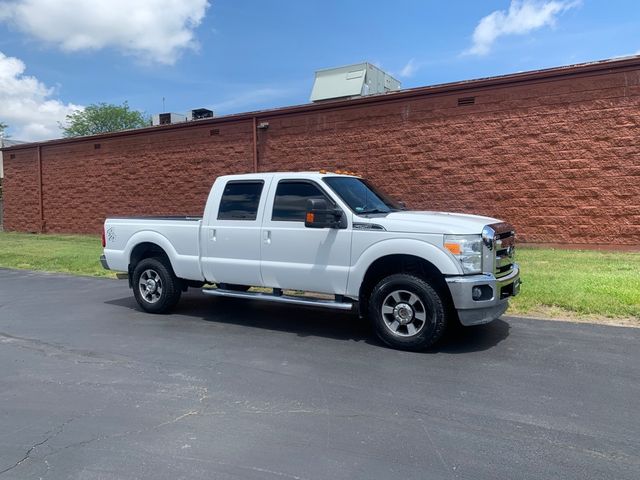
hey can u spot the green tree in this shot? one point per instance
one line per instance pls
(103, 118)
(3, 127)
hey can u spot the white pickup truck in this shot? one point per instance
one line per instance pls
(333, 236)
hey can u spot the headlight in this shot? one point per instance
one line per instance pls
(467, 249)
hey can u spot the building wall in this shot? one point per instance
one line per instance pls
(556, 156)
(163, 173)
(20, 191)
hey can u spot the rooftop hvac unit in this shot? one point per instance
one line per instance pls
(352, 81)
(199, 114)
(167, 118)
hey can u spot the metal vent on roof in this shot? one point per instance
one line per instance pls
(466, 101)
(199, 114)
(167, 118)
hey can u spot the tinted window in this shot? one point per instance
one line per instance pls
(290, 204)
(361, 196)
(240, 201)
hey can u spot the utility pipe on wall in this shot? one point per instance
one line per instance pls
(40, 199)
(255, 145)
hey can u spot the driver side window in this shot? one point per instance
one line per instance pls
(290, 203)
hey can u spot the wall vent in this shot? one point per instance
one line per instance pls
(214, 131)
(462, 101)
(12, 156)
(96, 146)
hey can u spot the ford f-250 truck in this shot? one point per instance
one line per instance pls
(410, 272)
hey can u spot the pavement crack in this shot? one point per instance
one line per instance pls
(271, 473)
(99, 438)
(56, 350)
(435, 447)
(49, 435)
(262, 412)
(177, 419)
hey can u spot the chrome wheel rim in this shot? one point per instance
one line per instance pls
(404, 314)
(150, 286)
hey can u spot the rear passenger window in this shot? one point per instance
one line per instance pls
(240, 201)
(290, 203)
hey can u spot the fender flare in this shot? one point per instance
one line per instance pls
(444, 262)
(150, 236)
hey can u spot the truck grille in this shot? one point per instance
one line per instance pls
(505, 248)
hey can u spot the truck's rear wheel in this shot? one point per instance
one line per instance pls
(407, 313)
(155, 287)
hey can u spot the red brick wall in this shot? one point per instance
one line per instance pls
(20, 191)
(161, 173)
(559, 158)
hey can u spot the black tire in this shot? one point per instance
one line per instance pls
(412, 307)
(168, 286)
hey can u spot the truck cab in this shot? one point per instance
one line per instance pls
(332, 235)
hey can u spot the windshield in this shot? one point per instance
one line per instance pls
(361, 196)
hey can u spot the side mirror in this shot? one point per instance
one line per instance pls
(319, 215)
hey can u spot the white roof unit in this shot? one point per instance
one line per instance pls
(352, 81)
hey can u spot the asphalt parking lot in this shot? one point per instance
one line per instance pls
(92, 388)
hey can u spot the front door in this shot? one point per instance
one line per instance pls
(300, 258)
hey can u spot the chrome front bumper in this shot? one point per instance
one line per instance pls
(495, 303)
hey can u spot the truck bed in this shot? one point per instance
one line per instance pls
(176, 235)
(160, 217)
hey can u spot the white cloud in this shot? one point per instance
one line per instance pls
(409, 69)
(152, 30)
(522, 17)
(26, 104)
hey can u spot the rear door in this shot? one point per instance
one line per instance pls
(300, 258)
(231, 237)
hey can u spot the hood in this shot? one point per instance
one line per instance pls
(432, 222)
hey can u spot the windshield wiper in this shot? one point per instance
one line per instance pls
(373, 210)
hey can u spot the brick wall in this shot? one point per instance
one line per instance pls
(161, 173)
(20, 191)
(557, 155)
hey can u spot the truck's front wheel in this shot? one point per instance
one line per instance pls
(155, 287)
(407, 313)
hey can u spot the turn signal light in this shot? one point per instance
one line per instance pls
(104, 240)
(453, 248)
(310, 217)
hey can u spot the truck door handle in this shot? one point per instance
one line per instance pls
(267, 236)
(212, 234)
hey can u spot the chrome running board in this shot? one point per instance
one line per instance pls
(268, 297)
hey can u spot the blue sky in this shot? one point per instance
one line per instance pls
(235, 56)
